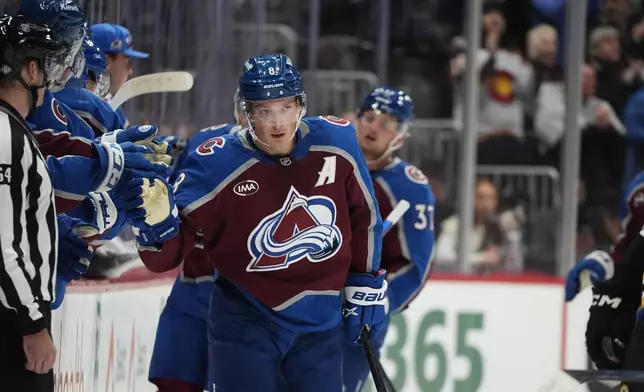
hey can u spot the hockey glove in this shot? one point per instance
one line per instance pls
(161, 214)
(611, 321)
(133, 134)
(364, 305)
(121, 163)
(598, 264)
(74, 255)
(98, 212)
(145, 135)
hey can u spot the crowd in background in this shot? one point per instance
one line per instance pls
(521, 113)
(522, 98)
(522, 108)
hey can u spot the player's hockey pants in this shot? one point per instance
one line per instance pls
(355, 368)
(180, 357)
(247, 350)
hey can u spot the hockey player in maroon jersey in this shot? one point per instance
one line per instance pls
(287, 214)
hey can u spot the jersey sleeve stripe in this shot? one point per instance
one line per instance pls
(91, 121)
(212, 194)
(370, 200)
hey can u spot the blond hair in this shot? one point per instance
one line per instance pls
(537, 36)
(599, 35)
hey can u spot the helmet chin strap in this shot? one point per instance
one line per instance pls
(395, 144)
(33, 92)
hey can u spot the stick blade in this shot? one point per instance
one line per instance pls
(161, 82)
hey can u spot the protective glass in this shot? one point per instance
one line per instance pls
(102, 83)
(60, 66)
(78, 66)
(273, 115)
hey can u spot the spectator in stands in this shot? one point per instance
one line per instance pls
(617, 79)
(615, 13)
(602, 140)
(634, 42)
(634, 122)
(541, 48)
(493, 248)
(554, 12)
(506, 87)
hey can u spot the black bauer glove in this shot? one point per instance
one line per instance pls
(611, 322)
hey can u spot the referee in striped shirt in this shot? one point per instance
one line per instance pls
(28, 229)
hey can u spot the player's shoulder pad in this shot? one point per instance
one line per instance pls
(329, 125)
(331, 131)
(407, 181)
(208, 165)
(220, 149)
(208, 133)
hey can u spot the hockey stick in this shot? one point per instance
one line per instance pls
(161, 82)
(395, 215)
(380, 379)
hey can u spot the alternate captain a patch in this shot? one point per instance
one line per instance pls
(304, 228)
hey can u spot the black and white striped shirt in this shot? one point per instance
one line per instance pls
(28, 231)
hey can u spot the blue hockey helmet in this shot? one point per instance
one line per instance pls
(95, 68)
(270, 76)
(95, 60)
(392, 101)
(266, 78)
(67, 25)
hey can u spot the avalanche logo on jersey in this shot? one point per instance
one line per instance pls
(303, 228)
(58, 112)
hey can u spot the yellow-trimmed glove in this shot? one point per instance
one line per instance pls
(161, 213)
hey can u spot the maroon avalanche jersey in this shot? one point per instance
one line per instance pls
(286, 231)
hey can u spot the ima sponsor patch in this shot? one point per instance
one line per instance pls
(246, 188)
(415, 175)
